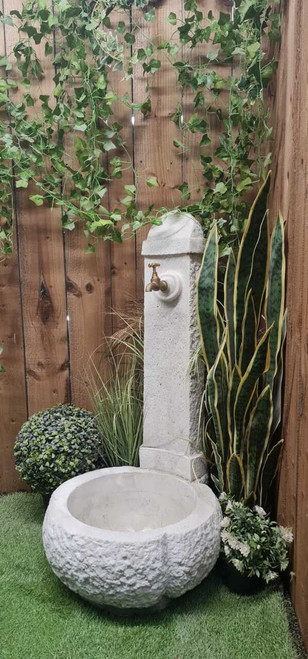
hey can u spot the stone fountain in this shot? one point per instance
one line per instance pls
(133, 538)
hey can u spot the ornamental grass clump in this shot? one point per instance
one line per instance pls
(251, 542)
(55, 445)
(117, 397)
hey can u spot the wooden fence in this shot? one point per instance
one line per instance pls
(55, 298)
(291, 196)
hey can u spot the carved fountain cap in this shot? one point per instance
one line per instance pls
(179, 233)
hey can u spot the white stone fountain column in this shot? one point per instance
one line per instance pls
(172, 391)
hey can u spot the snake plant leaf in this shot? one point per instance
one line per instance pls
(207, 300)
(245, 260)
(260, 265)
(257, 437)
(249, 331)
(275, 299)
(278, 380)
(217, 399)
(235, 476)
(269, 471)
(232, 392)
(229, 306)
(257, 366)
(219, 480)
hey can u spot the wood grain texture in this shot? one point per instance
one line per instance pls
(290, 195)
(42, 280)
(154, 152)
(192, 167)
(12, 382)
(123, 256)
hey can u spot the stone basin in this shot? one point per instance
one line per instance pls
(131, 538)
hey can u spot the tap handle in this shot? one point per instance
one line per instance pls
(154, 266)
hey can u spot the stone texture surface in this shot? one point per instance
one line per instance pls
(172, 392)
(132, 569)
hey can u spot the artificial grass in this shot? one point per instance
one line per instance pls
(41, 619)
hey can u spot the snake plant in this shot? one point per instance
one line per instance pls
(242, 330)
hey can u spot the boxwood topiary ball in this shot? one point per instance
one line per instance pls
(55, 445)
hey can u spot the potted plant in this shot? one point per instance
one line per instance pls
(55, 445)
(241, 317)
(254, 549)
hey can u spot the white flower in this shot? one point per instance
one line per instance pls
(229, 506)
(271, 575)
(286, 534)
(244, 548)
(226, 536)
(238, 564)
(225, 522)
(261, 512)
(233, 542)
(227, 550)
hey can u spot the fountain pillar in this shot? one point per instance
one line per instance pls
(172, 389)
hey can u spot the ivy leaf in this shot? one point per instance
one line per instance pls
(141, 54)
(130, 189)
(253, 48)
(150, 15)
(22, 183)
(109, 145)
(5, 62)
(220, 188)
(172, 19)
(152, 66)
(152, 182)
(129, 38)
(7, 20)
(48, 49)
(37, 199)
(184, 189)
(81, 127)
(245, 184)
(213, 54)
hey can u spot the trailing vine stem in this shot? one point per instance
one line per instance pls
(60, 148)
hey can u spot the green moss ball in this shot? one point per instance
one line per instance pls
(55, 445)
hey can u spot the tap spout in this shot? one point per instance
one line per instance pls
(156, 284)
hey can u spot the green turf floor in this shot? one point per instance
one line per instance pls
(41, 619)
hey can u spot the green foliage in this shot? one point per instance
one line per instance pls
(118, 399)
(242, 329)
(83, 47)
(2, 369)
(251, 542)
(55, 445)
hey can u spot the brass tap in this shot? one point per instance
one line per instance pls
(156, 284)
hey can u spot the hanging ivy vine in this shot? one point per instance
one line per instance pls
(61, 147)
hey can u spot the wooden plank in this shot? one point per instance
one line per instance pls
(192, 167)
(42, 278)
(155, 154)
(12, 382)
(88, 296)
(290, 195)
(123, 256)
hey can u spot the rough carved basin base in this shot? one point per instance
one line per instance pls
(128, 538)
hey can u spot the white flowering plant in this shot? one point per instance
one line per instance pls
(251, 542)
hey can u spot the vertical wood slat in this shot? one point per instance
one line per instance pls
(41, 278)
(290, 195)
(155, 154)
(123, 256)
(192, 167)
(12, 382)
